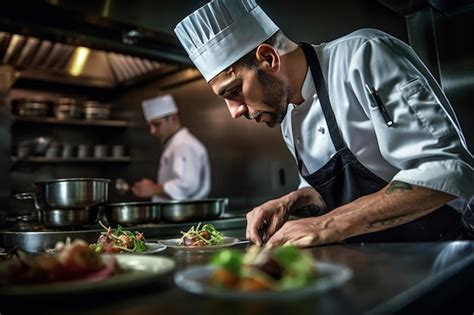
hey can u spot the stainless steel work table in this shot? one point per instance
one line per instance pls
(387, 278)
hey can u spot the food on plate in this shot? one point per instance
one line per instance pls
(118, 240)
(75, 261)
(206, 235)
(260, 269)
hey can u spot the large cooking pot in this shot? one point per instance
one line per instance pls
(193, 210)
(127, 213)
(58, 218)
(69, 193)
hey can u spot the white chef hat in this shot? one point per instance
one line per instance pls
(221, 32)
(158, 107)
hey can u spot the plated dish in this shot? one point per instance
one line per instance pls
(205, 235)
(135, 271)
(196, 280)
(200, 238)
(153, 248)
(283, 272)
(176, 244)
(118, 240)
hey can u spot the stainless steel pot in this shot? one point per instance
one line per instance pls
(31, 107)
(193, 210)
(69, 193)
(132, 212)
(59, 218)
(67, 218)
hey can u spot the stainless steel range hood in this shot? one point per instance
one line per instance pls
(45, 41)
(53, 61)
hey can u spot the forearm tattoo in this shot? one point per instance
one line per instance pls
(397, 186)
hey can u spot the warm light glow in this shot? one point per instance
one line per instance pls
(79, 59)
(106, 8)
(12, 46)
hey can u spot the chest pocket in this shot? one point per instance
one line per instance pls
(427, 108)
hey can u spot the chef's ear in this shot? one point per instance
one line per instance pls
(268, 57)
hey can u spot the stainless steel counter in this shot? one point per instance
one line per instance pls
(228, 224)
(408, 278)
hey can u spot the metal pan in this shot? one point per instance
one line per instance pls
(69, 193)
(193, 210)
(67, 218)
(131, 213)
(59, 218)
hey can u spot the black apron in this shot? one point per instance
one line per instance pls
(343, 179)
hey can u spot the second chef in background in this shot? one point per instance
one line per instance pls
(184, 171)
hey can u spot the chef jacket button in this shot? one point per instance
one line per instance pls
(321, 130)
(298, 140)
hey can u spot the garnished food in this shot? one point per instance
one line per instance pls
(118, 240)
(206, 235)
(282, 268)
(75, 261)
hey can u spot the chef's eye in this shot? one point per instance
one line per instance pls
(233, 92)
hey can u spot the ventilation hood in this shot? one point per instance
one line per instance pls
(52, 43)
(41, 59)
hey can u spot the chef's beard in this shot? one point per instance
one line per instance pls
(275, 95)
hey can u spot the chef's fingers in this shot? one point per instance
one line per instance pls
(273, 225)
(275, 241)
(292, 238)
(254, 222)
(301, 242)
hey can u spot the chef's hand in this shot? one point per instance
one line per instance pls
(145, 188)
(306, 232)
(265, 220)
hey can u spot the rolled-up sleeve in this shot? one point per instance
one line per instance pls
(425, 143)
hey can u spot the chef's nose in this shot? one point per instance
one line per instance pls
(236, 108)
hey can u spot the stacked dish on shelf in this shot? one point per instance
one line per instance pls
(31, 107)
(96, 110)
(65, 108)
(48, 148)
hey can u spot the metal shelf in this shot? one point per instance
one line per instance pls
(40, 159)
(77, 122)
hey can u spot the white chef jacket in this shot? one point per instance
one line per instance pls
(184, 169)
(425, 147)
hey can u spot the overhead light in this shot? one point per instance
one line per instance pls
(106, 8)
(79, 59)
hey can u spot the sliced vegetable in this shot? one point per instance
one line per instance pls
(206, 235)
(282, 268)
(119, 240)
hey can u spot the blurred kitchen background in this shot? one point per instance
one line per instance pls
(130, 54)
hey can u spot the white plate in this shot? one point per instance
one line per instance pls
(152, 249)
(138, 271)
(196, 280)
(174, 243)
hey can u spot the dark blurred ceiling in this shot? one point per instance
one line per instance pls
(446, 7)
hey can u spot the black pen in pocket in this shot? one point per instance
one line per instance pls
(377, 101)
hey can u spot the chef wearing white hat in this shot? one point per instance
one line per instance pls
(379, 150)
(184, 171)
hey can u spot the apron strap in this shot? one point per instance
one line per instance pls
(323, 95)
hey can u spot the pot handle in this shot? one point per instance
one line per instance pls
(24, 196)
(34, 216)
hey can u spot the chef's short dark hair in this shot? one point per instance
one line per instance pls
(278, 40)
